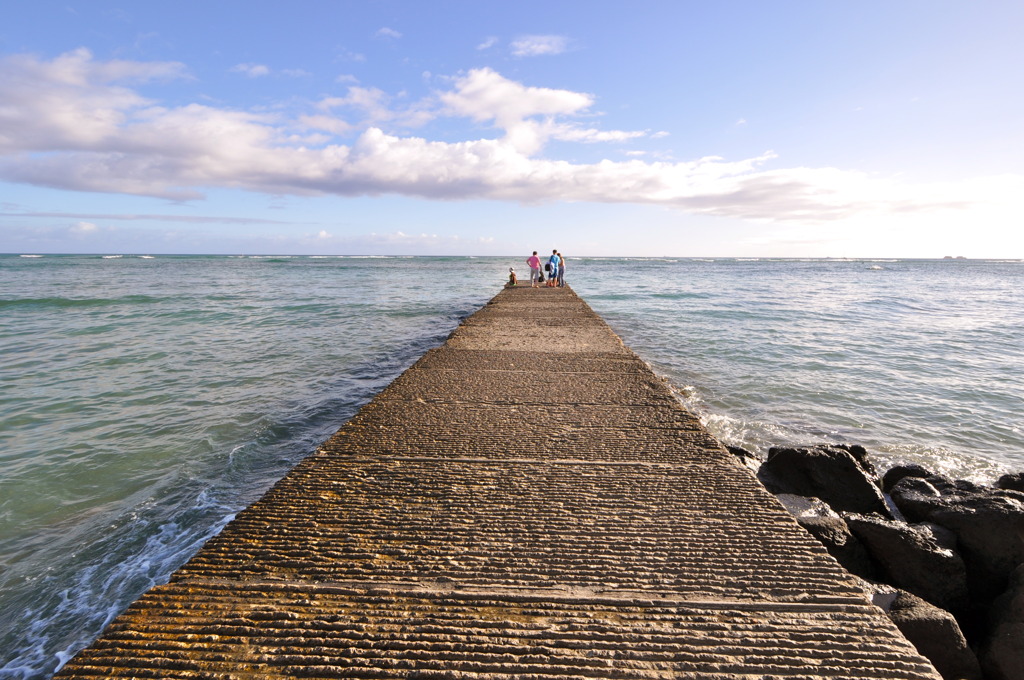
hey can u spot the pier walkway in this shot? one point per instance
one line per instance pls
(527, 501)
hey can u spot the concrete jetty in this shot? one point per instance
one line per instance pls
(527, 501)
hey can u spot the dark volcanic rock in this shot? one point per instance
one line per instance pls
(917, 485)
(831, 531)
(945, 485)
(835, 535)
(839, 475)
(1014, 482)
(805, 507)
(989, 525)
(894, 475)
(911, 558)
(1002, 656)
(748, 459)
(936, 635)
(941, 535)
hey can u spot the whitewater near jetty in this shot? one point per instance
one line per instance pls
(527, 501)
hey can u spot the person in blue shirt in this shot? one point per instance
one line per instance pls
(553, 261)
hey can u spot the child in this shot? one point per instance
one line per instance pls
(512, 280)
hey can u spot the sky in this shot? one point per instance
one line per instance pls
(757, 128)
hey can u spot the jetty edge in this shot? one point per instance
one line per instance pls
(528, 500)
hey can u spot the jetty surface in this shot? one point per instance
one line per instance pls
(527, 501)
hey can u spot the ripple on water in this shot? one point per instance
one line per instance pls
(146, 401)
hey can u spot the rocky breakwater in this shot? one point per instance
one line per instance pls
(944, 558)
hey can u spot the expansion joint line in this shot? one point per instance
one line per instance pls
(502, 461)
(571, 595)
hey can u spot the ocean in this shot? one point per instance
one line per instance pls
(146, 400)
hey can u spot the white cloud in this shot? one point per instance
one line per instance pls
(488, 43)
(73, 123)
(330, 124)
(485, 95)
(134, 217)
(538, 45)
(374, 106)
(573, 134)
(251, 70)
(348, 55)
(82, 228)
(386, 32)
(371, 100)
(70, 102)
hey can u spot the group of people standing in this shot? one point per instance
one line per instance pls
(555, 268)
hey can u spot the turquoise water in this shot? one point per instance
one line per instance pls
(146, 400)
(918, 360)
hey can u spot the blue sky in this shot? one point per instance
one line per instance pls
(771, 129)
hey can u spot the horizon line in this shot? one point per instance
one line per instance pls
(106, 253)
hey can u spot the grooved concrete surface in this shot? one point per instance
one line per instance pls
(528, 501)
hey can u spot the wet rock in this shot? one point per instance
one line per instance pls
(840, 475)
(944, 485)
(936, 635)
(989, 525)
(1014, 482)
(967, 485)
(806, 507)
(916, 485)
(746, 458)
(828, 527)
(1002, 655)
(894, 475)
(912, 558)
